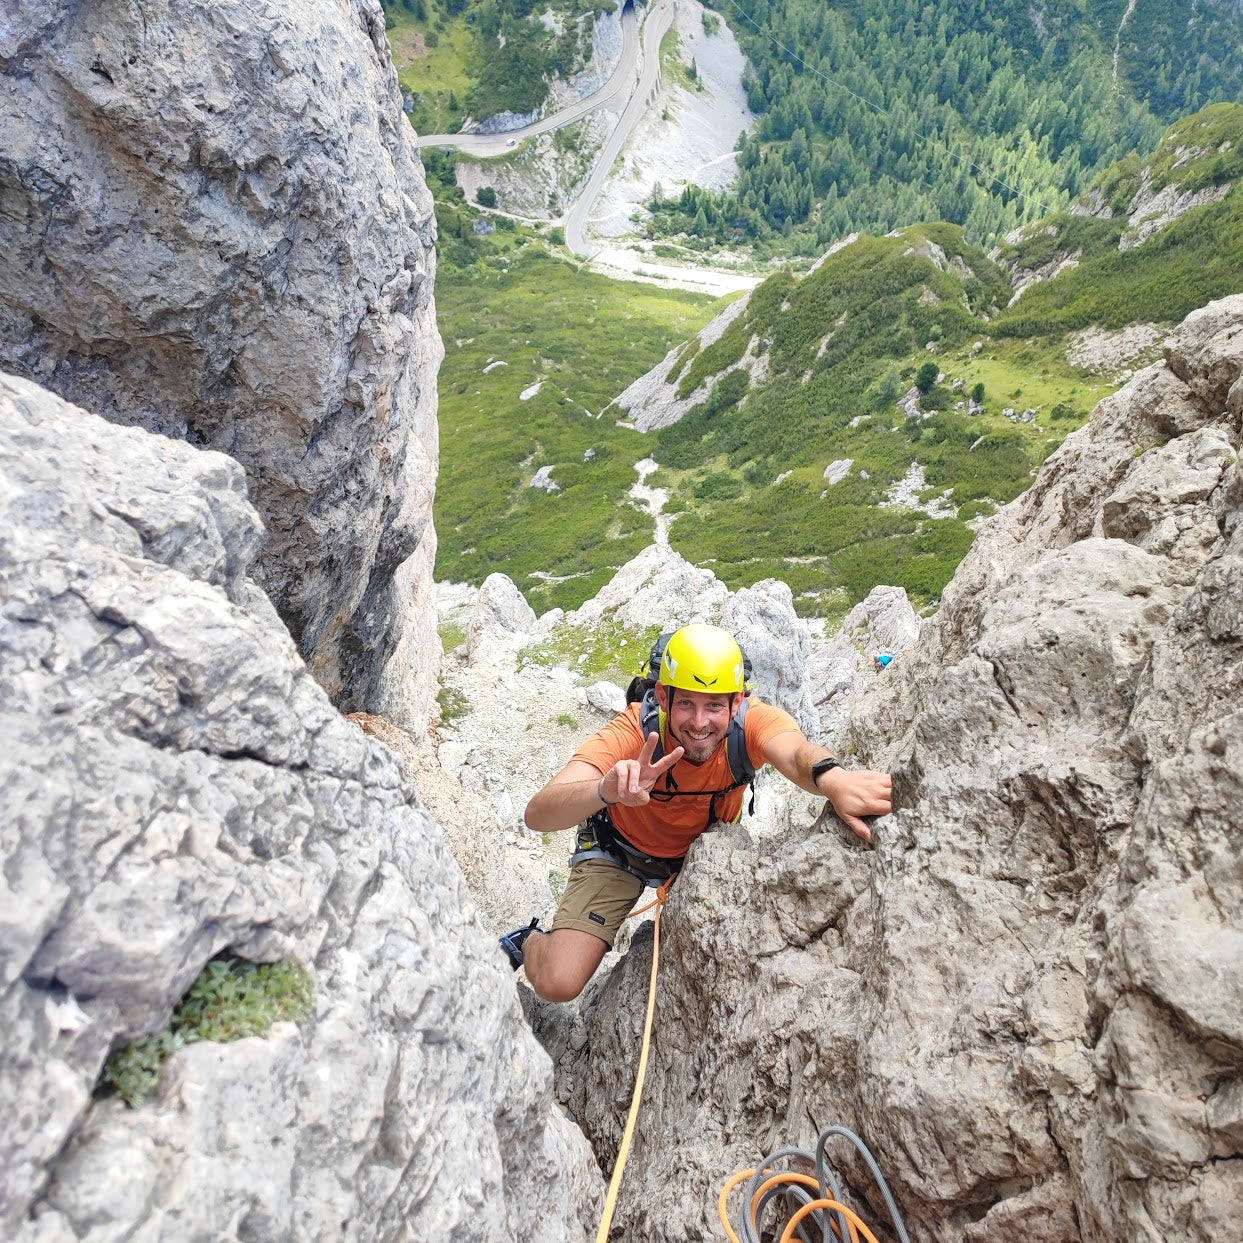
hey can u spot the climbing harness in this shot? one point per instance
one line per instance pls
(610, 1200)
(598, 839)
(769, 1182)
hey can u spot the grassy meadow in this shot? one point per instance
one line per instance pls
(522, 316)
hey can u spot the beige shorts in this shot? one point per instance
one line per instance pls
(598, 897)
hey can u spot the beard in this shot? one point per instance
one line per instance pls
(698, 750)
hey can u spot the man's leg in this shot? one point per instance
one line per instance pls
(559, 963)
(598, 897)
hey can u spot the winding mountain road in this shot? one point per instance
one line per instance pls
(634, 80)
(618, 85)
(654, 28)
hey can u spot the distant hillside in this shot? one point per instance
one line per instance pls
(807, 451)
(985, 113)
(810, 373)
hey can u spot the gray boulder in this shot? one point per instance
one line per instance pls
(174, 784)
(500, 619)
(214, 225)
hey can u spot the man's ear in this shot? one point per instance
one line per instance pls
(662, 696)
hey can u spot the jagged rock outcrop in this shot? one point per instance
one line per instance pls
(215, 226)
(652, 401)
(1027, 996)
(174, 783)
(777, 642)
(659, 587)
(840, 669)
(501, 618)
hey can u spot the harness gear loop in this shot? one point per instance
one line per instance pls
(598, 838)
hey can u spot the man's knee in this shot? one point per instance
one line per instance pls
(559, 972)
(557, 985)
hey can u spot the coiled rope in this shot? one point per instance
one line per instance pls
(610, 1200)
(768, 1183)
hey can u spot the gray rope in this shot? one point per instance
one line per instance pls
(822, 1165)
(830, 1187)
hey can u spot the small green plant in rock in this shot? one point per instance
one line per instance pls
(452, 703)
(568, 719)
(230, 1000)
(452, 636)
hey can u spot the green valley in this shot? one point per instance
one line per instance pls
(810, 374)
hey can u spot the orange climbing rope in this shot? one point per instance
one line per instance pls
(785, 1180)
(610, 1200)
(834, 1218)
(662, 896)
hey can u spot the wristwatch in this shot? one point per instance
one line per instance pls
(820, 767)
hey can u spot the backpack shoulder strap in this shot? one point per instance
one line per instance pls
(649, 723)
(740, 763)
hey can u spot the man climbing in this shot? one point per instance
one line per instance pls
(651, 781)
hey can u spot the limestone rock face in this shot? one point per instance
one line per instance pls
(1027, 996)
(214, 225)
(659, 587)
(652, 401)
(174, 783)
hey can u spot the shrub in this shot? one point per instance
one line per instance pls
(485, 196)
(719, 487)
(230, 1000)
(452, 704)
(926, 376)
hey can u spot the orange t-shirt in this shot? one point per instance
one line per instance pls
(666, 828)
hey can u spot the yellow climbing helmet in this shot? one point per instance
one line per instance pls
(703, 658)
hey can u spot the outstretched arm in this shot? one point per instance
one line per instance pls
(853, 792)
(580, 789)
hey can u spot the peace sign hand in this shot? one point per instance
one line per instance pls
(629, 781)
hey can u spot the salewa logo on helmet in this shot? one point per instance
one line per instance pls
(702, 681)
